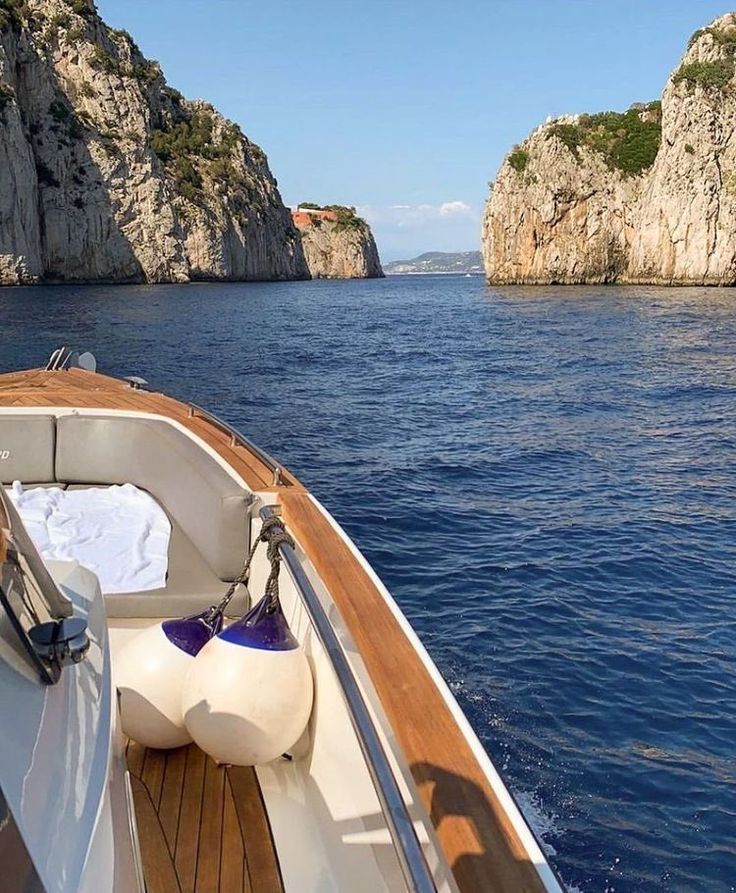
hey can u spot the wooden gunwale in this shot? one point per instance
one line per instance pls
(479, 838)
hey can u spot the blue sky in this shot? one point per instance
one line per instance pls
(406, 108)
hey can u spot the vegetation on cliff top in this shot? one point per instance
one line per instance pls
(347, 217)
(628, 141)
(716, 73)
(724, 37)
(194, 148)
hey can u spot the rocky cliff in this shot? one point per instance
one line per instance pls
(107, 173)
(647, 196)
(337, 243)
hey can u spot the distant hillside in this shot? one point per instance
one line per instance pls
(337, 243)
(437, 262)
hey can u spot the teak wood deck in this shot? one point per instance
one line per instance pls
(202, 828)
(479, 839)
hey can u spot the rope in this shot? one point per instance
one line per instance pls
(273, 533)
(275, 539)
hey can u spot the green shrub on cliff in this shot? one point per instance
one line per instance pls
(628, 141)
(705, 74)
(80, 7)
(518, 159)
(103, 60)
(570, 135)
(61, 20)
(710, 75)
(147, 72)
(347, 218)
(193, 136)
(12, 13)
(190, 149)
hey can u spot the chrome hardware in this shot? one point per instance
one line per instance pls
(58, 359)
(136, 382)
(65, 358)
(60, 643)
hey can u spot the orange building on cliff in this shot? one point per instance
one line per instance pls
(304, 216)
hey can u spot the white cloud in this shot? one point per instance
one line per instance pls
(448, 209)
(403, 231)
(416, 216)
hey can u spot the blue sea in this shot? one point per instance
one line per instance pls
(545, 479)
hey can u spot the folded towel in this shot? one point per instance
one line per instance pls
(120, 533)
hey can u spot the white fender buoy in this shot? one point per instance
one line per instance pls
(149, 674)
(248, 695)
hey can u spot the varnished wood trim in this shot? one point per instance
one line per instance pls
(190, 819)
(169, 807)
(233, 874)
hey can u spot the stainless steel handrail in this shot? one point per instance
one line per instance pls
(416, 871)
(52, 359)
(237, 437)
(55, 360)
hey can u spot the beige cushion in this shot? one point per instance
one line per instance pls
(197, 493)
(34, 485)
(191, 586)
(27, 448)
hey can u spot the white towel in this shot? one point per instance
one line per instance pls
(119, 533)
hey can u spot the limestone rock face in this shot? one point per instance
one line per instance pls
(582, 202)
(338, 245)
(108, 174)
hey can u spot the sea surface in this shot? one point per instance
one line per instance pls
(546, 480)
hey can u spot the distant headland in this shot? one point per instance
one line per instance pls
(437, 262)
(337, 243)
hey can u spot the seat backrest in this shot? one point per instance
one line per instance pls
(27, 448)
(210, 507)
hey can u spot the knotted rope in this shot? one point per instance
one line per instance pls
(275, 538)
(273, 533)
